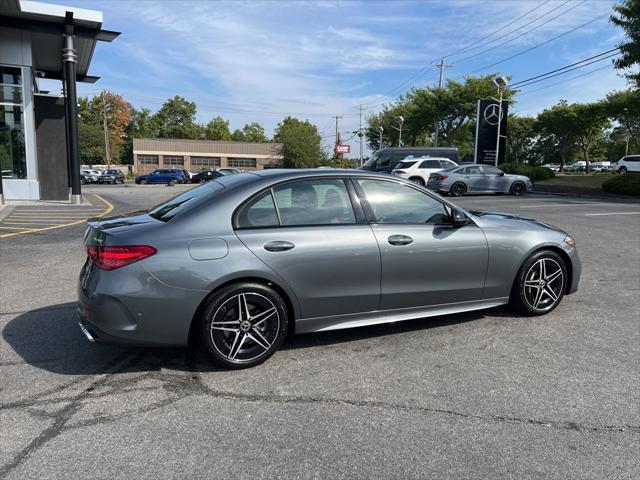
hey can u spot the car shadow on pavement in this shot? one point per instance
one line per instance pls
(49, 338)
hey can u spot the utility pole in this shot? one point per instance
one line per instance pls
(337, 135)
(380, 130)
(441, 66)
(107, 153)
(361, 135)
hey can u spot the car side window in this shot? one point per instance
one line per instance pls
(489, 170)
(384, 160)
(393, 202)
(259, 212)
(474, 170)
(314, 202)
(430, 164)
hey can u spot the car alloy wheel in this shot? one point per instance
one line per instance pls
(244, 325)
(458, 189)
(143, 182)
(417, 181)
(622, 171)
(172, 182)
(541, 283)
(517, 188)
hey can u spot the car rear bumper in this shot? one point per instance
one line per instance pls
(131, 306)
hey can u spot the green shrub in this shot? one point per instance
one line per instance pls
(534, 173)
(623, 185)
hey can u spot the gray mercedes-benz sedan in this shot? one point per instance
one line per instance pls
(244, 260)
(464, 179)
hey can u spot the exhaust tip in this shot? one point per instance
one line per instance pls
(86, 332)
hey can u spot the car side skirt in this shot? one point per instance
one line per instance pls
(338, 322)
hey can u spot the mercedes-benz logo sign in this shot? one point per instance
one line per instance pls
(493, 114)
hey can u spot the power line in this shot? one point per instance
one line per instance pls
(570, 70)
(586, 74)
(565, 67)
(463, 49)
(524, 33)
(543, 43)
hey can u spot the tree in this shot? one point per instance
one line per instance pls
(588, 121)
(520, 139)
(91, 143)
(301, 142)
(629, 19)
(624, 108)
(452, 108)
(175, 119)
(252, 132)
(217, 129)
(105, 110)
(556, 124)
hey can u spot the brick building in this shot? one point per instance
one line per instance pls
(196, 155)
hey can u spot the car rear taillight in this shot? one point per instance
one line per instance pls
(441, 177)
(110, 258)
(399, 171)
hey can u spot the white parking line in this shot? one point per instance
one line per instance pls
(594, 204)
(611, 213)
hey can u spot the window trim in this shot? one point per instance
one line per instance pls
(371, 218)
(358, 214)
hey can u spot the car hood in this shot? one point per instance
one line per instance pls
(510, 221)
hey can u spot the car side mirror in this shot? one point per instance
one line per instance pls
(458, 218)
(501, 174)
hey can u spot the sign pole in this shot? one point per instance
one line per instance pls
(499, 124)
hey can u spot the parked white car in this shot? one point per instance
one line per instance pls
(630, 163)
(418, 170)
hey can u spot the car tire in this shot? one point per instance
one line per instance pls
(417, 181)
(142, 182)
(236, 328)
(622, 170)
(172, 182)
(517, 188)
(538, 287)
(458, 189)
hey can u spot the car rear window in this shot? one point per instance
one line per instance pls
(405, 165)
(167, 210)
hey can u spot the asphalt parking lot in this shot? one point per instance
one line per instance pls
(479, 395)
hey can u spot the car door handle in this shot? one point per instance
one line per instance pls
(400, 240)
(278, 246)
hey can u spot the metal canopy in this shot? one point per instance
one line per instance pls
(46, 24)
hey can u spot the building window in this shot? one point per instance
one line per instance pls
(173, 161)
(205, 163)
(148, 159)
(13, 161)
(242, 162)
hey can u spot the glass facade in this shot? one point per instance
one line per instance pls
(12, 145)
(205, 163)
(242, 162)
(148, 159)
(173, 161)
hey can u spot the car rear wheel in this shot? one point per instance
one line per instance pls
(417, 181)
(540, 284)
(458, 189)
(243, 325)
(622, 170)
(518, 188)
(172, 182)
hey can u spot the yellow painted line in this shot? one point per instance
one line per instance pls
(53, 227)
(13, 228)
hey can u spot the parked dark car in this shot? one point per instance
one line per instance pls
(111, 176)
(87, 176)
(206, 176)
(169, 176)
(385, 160)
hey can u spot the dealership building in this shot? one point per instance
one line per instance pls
(197, 155)
(38, 129)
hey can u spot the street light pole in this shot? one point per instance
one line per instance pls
(400, 119)
(380, 130)
(361, 135)
(502, 83)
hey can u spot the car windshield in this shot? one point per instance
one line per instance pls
(372, 160)
(451, 168)
(405, 164)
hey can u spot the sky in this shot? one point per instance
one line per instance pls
(261, 60)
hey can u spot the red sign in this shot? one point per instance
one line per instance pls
(343, 148)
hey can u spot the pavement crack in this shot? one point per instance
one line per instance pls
(117, 365)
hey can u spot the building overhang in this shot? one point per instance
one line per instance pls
(46, 24)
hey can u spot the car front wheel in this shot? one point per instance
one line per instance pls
(243, 325)
(417, 181)
(518, 189)
(622, 170)
(540, 284)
